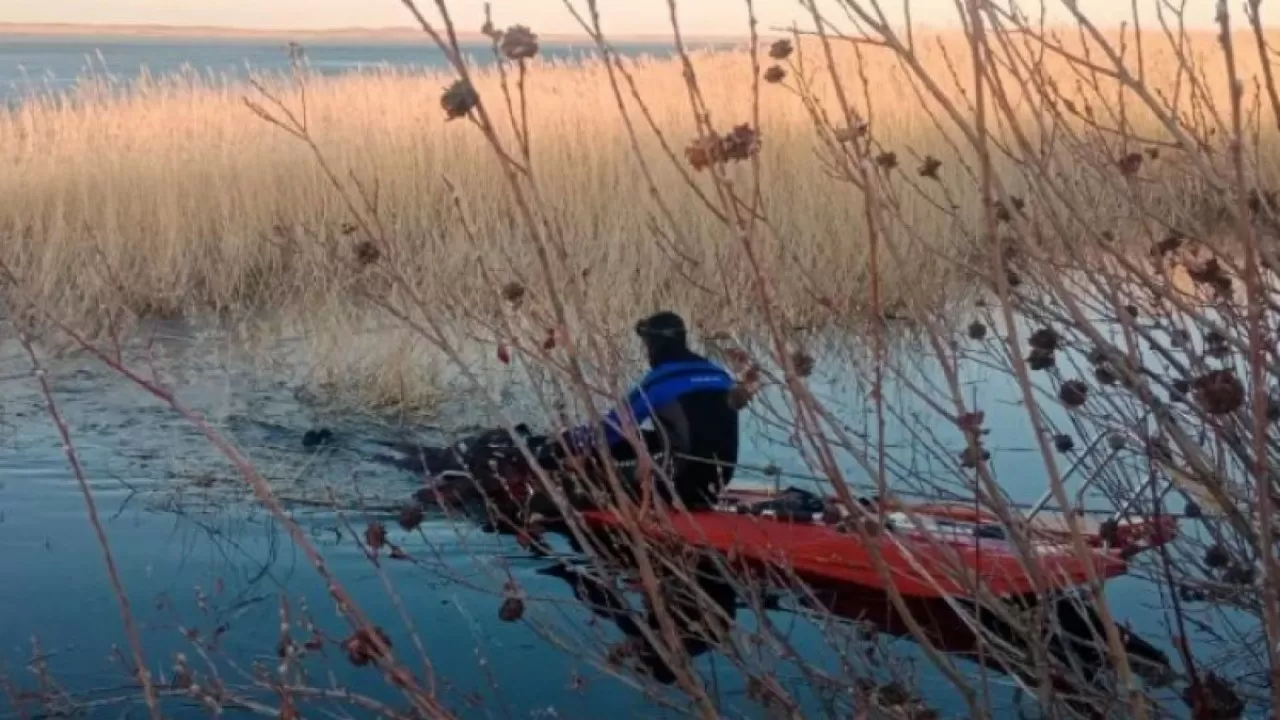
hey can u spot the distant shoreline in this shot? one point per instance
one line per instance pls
(206, 32)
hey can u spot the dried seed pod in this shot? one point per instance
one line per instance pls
(361, 648)
(411, 516)
(929, 168)
(1239, 575)
(887, 160)
(781, 49)
(971, 422)
(512, 609)
(519, 43)
(1045, 338)
(1041, 359)
(1130, 164)
(775, 74)
(513, 292)
(1073, 393)
(1063, 443)
(803, 363)
(367, 253)
(459, 99)
(742, 143)
(1219, 392)
(375, 535)
(1105, 375)
(1216, 344)
(969, 456)
(977, 331)
(1217, 557)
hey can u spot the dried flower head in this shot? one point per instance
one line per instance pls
(1063, 443)
(929, 168)
(375, 535)
(740, 144)
(1105, 375)
(367, 253)
(1130, 164)
(1073, 393)
(459, 99)
(781, 49)
(519, 43)
(775, 74)
(887, 160)
(1217, 557)
(1216, 344)
(1219, 392)
(1046, 338)
(362, 648)
(1041, 359)
(411, 516)
(512, 609)
(972, 454)
(803, 363)
(513, 292)
(977, 330)
(971, 422)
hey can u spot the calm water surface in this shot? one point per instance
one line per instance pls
(37, 64)
(195, 555)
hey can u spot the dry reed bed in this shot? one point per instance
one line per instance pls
(173, 196)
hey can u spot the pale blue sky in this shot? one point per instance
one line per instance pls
(550, 16)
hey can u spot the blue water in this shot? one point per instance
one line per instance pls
(196, 554)
(37, 64)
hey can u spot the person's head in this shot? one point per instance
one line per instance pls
(664, 335)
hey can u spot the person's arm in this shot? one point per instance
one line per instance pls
(638, 409)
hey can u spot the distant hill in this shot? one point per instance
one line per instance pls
(199, 32)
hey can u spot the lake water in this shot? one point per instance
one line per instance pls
(36, 64)
(200, 559)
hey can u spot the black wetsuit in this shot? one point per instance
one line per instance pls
(687, 398)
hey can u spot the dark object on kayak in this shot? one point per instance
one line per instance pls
(316, 438)
(792, 504)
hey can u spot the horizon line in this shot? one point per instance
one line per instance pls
(232, 31)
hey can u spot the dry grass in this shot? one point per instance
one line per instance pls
(172, 196)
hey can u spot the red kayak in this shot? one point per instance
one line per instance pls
(943, 558)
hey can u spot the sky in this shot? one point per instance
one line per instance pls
(719, 17)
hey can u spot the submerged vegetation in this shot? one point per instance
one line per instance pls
(1088, 218)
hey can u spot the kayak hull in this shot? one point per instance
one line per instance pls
(915, 564)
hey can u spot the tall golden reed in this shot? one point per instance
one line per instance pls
(169, 195)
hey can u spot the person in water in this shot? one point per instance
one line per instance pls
(686, 398)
